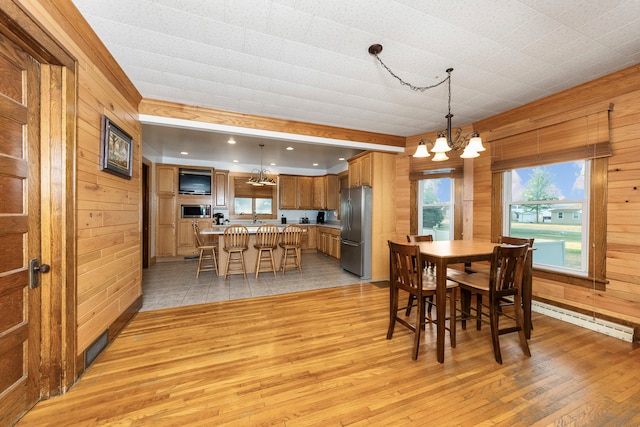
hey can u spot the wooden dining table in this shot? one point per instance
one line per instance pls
(446, 252)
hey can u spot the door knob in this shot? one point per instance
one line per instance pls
(35, 268)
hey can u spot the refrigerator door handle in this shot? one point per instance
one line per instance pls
(348, 243)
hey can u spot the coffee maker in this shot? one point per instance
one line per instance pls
(218, 218)
(320, 219)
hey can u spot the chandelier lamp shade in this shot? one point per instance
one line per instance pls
(470, 144)
(261, 177)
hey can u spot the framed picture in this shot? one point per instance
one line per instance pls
(117, 150)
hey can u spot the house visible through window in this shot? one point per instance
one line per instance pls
(435, 208)
(550, 204)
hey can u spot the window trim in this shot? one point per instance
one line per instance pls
(597, 228)
(232, 197)
(457, 202)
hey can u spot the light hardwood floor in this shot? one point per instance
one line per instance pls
(320, 358)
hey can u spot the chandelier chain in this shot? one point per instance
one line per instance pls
(409, 85)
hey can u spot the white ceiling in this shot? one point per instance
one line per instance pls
(307, 60)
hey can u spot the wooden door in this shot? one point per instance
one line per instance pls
(19, 232)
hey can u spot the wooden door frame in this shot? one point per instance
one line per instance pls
(58, 84)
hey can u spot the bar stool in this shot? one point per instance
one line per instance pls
(266, 242)
(290, 244)
(236, 241)
(207, 252)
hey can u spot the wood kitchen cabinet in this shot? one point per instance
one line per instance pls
(325, 192)
(360, 170)
(166, 179)
(166, 225)
(308, 239)
(328, 241)
(221, 188)
(186, 241)
(296, 192)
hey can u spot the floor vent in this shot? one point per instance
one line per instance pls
(95, 348)
(624, 333)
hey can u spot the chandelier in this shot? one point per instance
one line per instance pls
(471, 144)
(261, 177)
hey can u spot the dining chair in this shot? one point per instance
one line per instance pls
(290, 243)
(504, 280)
(414, 238)
(266, 242)
(481, 268)
(207, 252)
(236, 242)
(403, 259)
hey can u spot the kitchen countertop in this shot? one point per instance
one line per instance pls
(219, 229)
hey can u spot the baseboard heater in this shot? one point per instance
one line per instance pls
(615, 330)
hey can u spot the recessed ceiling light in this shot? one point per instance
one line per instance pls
(231, 141)
(184, 153)
(235, 161)
(315, 164)
(341, 158)
(289, 148)
(272, 164)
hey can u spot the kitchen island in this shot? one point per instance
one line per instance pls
(250, 255)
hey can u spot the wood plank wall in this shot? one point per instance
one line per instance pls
(108, 234)
(620, 301)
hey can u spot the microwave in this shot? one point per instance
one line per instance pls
(195, 211)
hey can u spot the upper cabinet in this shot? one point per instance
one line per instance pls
(166, 179)
(288, 187)
(360, 170)
(221, 188)
(296, 192)
(325, 192)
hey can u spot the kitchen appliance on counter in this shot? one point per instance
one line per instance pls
(320, 219)
(355, 231)
(218, 218)
(304, 220)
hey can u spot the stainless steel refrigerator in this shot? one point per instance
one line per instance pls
(355, 231)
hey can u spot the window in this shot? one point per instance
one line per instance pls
(249, 200)
(435, 208)
(550, 203)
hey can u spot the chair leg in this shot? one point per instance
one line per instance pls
(418, 329)
(495, 332)
(244, 270)
(215, 261)
(273, 262)
(465, 307)
(199, 263)
(283, 260)
(258, 260)
(452, 316)
(519, 316)
(409, 305)
(393, 310)
(479, 312)
(226, 270)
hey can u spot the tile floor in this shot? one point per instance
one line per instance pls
(174, 284)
